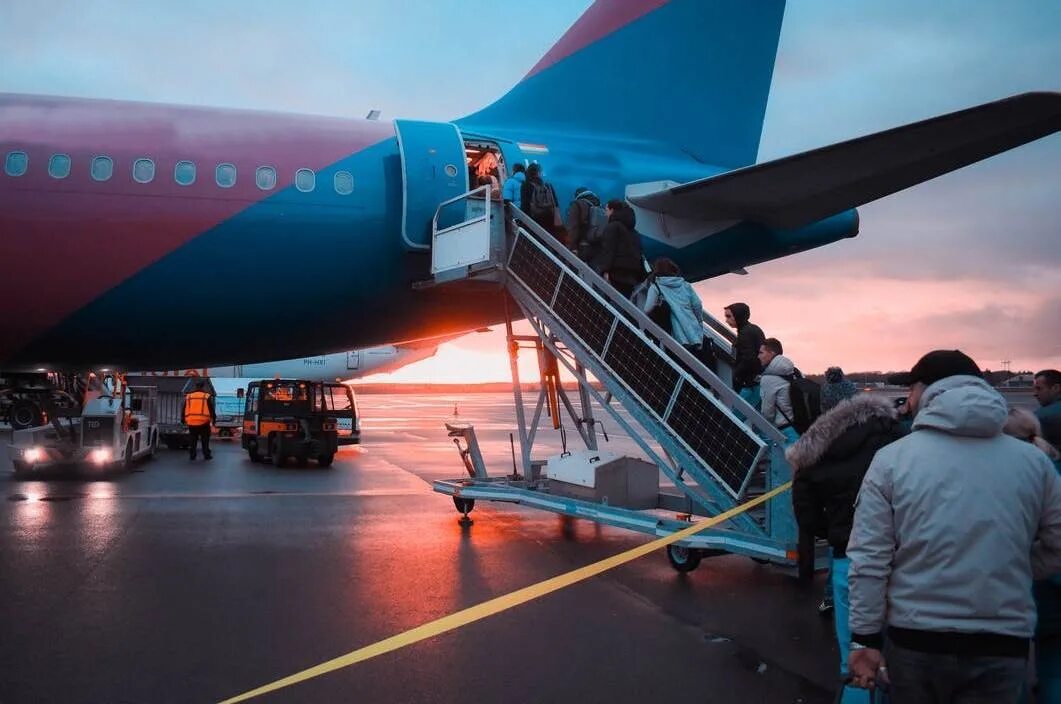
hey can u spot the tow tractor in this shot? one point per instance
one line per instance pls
(295, 418)
(114, 430)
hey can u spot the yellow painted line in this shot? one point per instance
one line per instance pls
(499, 604)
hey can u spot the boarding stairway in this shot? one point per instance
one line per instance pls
(716, 449)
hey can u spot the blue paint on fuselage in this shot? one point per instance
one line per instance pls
(310, 273)
(292, 275)
(694, 75)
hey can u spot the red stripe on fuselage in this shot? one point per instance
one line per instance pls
(64, 242)
(600, 20)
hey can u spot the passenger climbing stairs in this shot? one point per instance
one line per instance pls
(715, 449)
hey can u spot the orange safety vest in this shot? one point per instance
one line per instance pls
(197, 408)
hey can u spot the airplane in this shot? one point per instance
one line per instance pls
(342, 366)
(122, 223)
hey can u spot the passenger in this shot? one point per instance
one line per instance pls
(510, 192)
(836, 388)
(828, 464)
(199, 415)
(686, 310)
(620, 260)
(1047, 391)
(586, 220)
(951, 523)
(1023, 425)
(777, 398)
(746, 368)
(538, 200)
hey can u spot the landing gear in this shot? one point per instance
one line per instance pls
(325, 460)
(464, 507)
(684, 559)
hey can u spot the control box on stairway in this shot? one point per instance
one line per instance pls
(604, 477)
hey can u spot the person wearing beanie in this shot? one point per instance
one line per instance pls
(836, 388)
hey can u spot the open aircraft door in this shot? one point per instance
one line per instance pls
(433, 171)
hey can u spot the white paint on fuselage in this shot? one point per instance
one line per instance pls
(342, 366)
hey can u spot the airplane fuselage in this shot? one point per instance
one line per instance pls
(138, 235)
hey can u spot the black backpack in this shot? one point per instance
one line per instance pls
(806, 398)
(660, 313)
(542, 201)
(595, 220)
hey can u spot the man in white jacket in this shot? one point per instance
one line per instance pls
(951, 524)
(774, 387)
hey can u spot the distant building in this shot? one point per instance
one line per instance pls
(1018, 381)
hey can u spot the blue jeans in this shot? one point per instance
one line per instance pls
(791, 436)
(752, 396)
(841, 609)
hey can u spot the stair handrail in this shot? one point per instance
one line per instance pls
(703, 376)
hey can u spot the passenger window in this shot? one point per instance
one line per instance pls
(225, 175)
(265, 177)
(16, 163)
(344, 183)
(143, 171)
(59, 166)
(305, 180)
(102, 168)
(184, 173)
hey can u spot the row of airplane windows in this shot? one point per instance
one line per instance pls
(184, 172)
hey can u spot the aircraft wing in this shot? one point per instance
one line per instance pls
(803, 188)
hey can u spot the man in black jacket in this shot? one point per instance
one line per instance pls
(620, 259)
(828, 464)
(750, 338)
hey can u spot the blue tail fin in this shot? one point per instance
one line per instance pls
(692, 74)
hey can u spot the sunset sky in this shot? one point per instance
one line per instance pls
(970, 260)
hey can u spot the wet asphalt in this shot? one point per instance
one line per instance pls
(196, 581)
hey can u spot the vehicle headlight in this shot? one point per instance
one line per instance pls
(33, 454)
(100, 455)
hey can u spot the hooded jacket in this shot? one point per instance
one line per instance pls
(620, 255)
(831, 458)
(750, 338)
(512, 188)
(686, 310)
(773, 386)
(951, 523)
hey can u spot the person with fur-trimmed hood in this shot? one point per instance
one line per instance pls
(829, 462)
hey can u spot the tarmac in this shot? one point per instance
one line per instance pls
(197, 581)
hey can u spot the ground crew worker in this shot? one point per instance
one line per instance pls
(199, 415)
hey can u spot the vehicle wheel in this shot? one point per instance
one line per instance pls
(253, 454)
(127, 463)
(463, 505)
(325, 460)
(278, 459)
(683, 559)
(25, 414)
